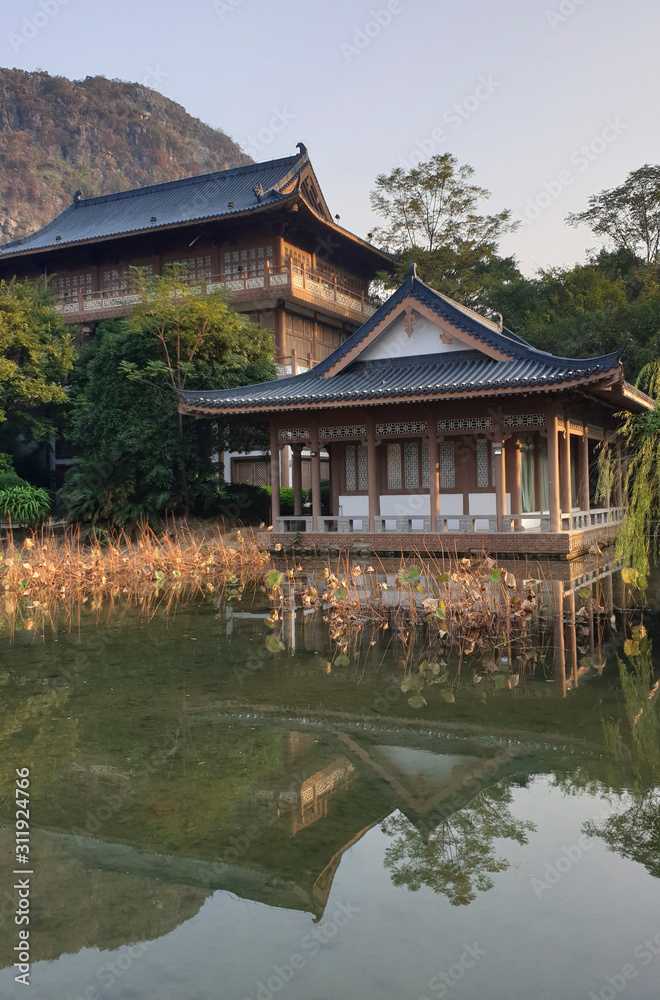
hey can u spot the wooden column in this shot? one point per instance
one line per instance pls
(274, 472)
(553, 472)
(584, 495)
(337, 455)
(434, 438)
(515, 487)
(284, 466)
(372, 473)
(280, 336)
(565, 469)
(500, 479)
(538, 474)
(297, 478)
(316, 477)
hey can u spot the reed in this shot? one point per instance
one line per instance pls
(47, 577)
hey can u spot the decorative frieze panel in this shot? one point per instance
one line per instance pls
(465, 424)
(351, 484)
(426, 472)
(482, 463)
(350, 431)
(402, 427)
(294, 434)
(447, 469)
(524, 420)
(393, 467)
(362, 467)
(575, 425)
(410, 465)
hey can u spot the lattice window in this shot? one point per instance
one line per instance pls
(69, 286)
(465, 424)
(362, 467)
(426, 471)
(447, 469)
(246, 262)
(524, 420)
(294, 434)
(196, 268)
(255, 471)
(404, 427)
(356, 468)
(411, 465)
(394, 466)
(352, 431)
(121, 279)
(351, 483)
(483, 479)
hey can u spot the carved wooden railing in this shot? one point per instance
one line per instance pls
(297, 279)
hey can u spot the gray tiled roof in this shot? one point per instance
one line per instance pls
(224, 193)
(450, 373)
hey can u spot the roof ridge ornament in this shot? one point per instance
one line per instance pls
(409, 320)
(412, 270)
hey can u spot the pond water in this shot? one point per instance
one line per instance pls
(210, 819)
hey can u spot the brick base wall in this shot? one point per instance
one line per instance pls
(559, 545)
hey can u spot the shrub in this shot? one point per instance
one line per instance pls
(243, 502)
(8, 475)
(25, 505)
(286, 501)
(99, 494)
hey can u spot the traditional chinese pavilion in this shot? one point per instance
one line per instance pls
(436, 421)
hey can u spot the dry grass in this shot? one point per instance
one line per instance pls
(47, 577)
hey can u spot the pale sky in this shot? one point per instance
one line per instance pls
(549, 100)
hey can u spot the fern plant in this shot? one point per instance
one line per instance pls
(25, 506)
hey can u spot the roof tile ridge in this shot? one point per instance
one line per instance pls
(190, 180)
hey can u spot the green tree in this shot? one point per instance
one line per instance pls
(36, 356)
(140, 454)
(432, 216)
(627, 217)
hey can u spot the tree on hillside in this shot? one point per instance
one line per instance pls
(627, 216)
(36, 356)
(432, 216)
(125, 417)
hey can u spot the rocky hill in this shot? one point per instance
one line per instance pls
(95, 135)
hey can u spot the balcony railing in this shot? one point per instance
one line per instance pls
(296, 280)
(532, 521)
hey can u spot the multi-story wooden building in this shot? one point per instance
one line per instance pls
(264, 231)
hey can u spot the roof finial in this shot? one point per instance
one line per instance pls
(412, 270)
(301, 147)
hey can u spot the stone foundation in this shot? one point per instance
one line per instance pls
(558, 545)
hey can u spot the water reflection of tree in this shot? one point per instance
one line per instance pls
(457, 857)
(35, 735)
(635, 742)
